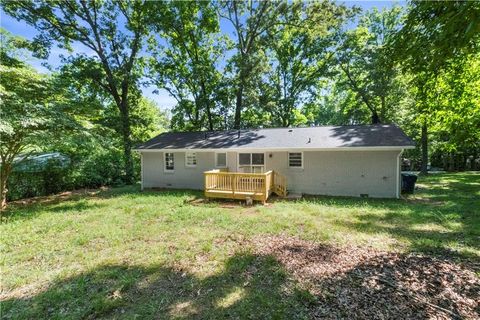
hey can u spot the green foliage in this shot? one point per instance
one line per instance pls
(67, 112)
(114, 67)
(457, 106)
(335, 107)
(32, 111)
(28, 109)
(186, 65)
(11, 53)
(250, 20)
(146, 118)
(102, 168)
(300, 54)
(366, 68)
(436, 32)
(437, 48)
(53, 178)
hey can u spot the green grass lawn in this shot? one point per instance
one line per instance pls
(122, 253)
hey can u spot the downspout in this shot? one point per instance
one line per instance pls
(399, 170)
(141, 170)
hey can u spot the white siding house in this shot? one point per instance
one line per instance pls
(341, 161)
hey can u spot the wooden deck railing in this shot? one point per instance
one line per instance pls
(280, 184)
(235, 185)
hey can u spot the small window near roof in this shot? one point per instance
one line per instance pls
(221, 160)
(169, 161)
(295, 159)
(191, 159)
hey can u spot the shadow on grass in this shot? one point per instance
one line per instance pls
(251, 286)
(441, 217)
(357, 283)
(71, 206)
(79, 200)
(443, 213)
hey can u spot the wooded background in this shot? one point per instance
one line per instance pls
(283, 63)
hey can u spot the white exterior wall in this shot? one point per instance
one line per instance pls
(340, 173)
(183, 177)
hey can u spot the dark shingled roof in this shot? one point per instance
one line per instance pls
(304, 138)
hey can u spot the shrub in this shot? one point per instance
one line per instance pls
(101, 168)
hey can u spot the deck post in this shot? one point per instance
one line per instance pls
(265, 191)
(205, 188)
(233, 182)
(272, 183)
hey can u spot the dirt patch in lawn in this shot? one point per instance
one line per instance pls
(205, 202)
(365, 283)
(57, 198)
(421, 200)
(227, 204)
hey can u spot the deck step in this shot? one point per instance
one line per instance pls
(246, 193)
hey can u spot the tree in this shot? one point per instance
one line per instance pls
(455, 113)
(300, 53)
(335, 106)
(116, 44)
(365, 65)
(101, 120)
(250, 20)
(186, 64)
(434, 35)
(30, 111)
(147, 119)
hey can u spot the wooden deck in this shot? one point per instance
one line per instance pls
(234, 185)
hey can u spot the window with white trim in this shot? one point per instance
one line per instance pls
(295, 159)
(190, 159)
(169, 161)
(221, 159)
(251, 162)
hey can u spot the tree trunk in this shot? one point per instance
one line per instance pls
(4, 173)
(127, 143)
(375, 117)
(206, 103)
(424, 139)
(210, 120)
(451, 166)
(238, 107)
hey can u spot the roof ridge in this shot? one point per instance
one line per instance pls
(279, 128)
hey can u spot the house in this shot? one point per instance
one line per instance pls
(326, 160)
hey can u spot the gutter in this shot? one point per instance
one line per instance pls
(379, 148)
(399, 174)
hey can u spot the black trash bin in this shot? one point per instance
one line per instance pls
(408, 182)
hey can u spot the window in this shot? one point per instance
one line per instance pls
(295, 159)
(221, 160)
(169, 161)
(244, 159)
(251, 162)
(190, 159)
(258, 159)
